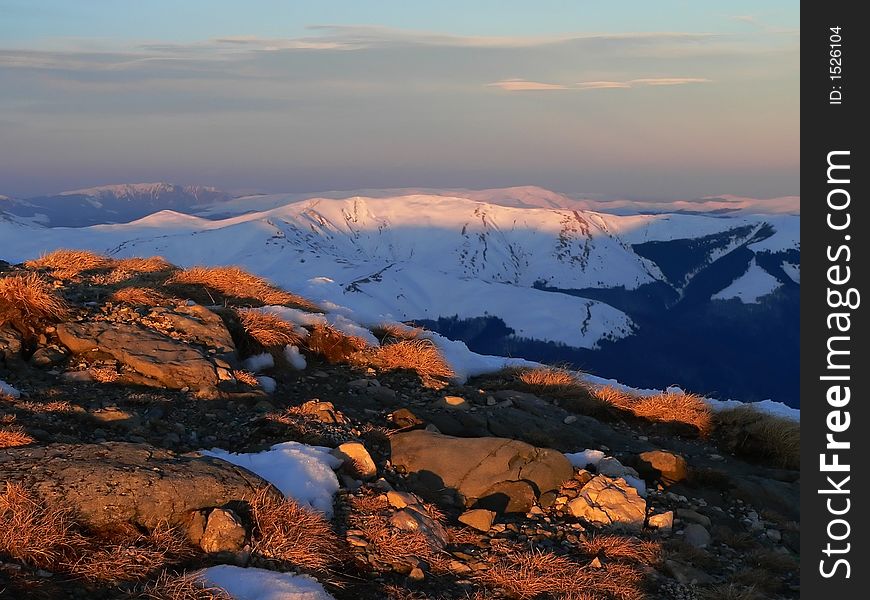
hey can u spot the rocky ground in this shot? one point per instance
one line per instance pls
(446, 490)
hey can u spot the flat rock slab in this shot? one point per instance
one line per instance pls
(164, 361)
(476, 468)
(117, 482)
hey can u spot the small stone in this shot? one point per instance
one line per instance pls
(697, 535)
(663, 521)
(596, 563)
(453, 403)
(569, 419)
(671, 468)
(416, 574)
(478, 518)
(224, 532)
(357, 541)
(401, 499)
(773, 535)
(357, 460)
(693, 517)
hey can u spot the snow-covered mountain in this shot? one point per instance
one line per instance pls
(506, 276)
(110, 203)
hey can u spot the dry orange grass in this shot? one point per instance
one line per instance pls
(152, 264)
(139, 296)
(389, 332)
(28, 302)
(184, 586)
(104, 374)
(289, 533)
(13, 436)
(371, 514)
(69, 264)
(533, 574)
(559, 384)
(128, 555)
(333, 345)
(246, 378)
(235, 285)
(753, 434)
(268, 330)
(421, 356)
(622, 548)
(668, 407)
(33, 534)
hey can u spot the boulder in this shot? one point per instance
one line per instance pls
(159, 359)
(201, 326)
(663, 521)
(476, 469)
(668, 467)
(116, 482)
(605, 501)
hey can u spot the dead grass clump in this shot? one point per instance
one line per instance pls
(184, 586)
(750, 433)
(13, 436)
(396, 332)
(33, 534)
(232, 285)
(532, 574)
(333, 345)
(669, 407)
(104, 374)
(625, 548)
(152, 264)
(246, 378)
(139, 296)
(287, 532)
(27, 302)
(69, 264)
(560, 385)
(268, 330)
(421, 356)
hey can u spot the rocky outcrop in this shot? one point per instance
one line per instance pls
(10, 343)
(495, 473)
(117, 482)
(158, 359)
(605, 501)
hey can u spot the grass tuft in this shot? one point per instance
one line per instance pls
(287, 532)
(70, 264)
(421, 356)
(750, 433)
(233, 286)
(268, 330)
(28, 302)
(184, 586)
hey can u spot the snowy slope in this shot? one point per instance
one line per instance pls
(424, 256)
(754, 284)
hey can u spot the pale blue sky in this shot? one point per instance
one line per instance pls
(639, 99)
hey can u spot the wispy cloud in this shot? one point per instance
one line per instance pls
(523, 85)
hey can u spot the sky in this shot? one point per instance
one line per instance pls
(634, 99)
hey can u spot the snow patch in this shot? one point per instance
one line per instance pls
(585, 458)
(793, 271)
(259, 362)
(8, 390)
(268, 384)
(293, 356)
(753, 285)
(260, 584)
(302, 472)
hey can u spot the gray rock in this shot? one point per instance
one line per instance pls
(115, 482)
(473, 467)
(696, 535)
(158, 359)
